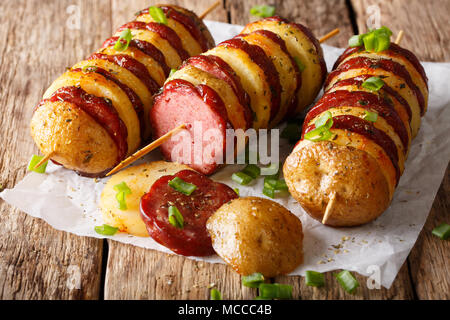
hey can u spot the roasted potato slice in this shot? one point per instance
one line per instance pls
(139, 179)
(314, 172)
(90, 150)
(257, 235)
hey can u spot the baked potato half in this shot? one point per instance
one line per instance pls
(257, 235)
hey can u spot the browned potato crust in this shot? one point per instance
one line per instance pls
(316, 171)
(89, 148)
(257, 235)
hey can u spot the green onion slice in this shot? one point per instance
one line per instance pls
(252, 170)
(271, 171)
(262, 11)
(322, 131)
(122, 187)
(237, 191)
(269, 192)
(314, 279)
(182, 186)
(158, 15)
(370, 116)
(442, 231)
(300, 65)
(34, 161)
(125, 35)
(215, 294)
(241, 178)
(275, 291)
(106, 230)
(253, 280)
(323, 120)
(121, 200)
(347, 281)
(172, 71)
(87, 69)
(175, 217)
(373, 84)
(355, 41)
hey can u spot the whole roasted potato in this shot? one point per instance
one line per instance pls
(257, 235)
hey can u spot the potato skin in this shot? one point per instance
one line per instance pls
(257, 235)
(362, 192)
(90, 149)
(139, 179)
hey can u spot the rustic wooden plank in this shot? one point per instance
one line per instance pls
(425, 24)
(36, 261)
(320, 16)
(136, 273)
(427, 34)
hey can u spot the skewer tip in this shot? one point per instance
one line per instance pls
(211, 8)
(329, 208)
(329, 35)
(43, 160)
(399, 37)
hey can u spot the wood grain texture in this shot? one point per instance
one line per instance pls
(36, 261)
(425, 24)
(320, 16)
(427, 34)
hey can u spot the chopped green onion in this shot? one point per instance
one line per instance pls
(158, 15)
(347, 281)
(215, 294)
(442, 231)
(172, 71)
(370, 116)
(241, 178)
(253, 280)
(281, 185)
(122, 187)
(374, 40)
(355, 41)
(87, 69)
(121, 200)
(125, 35)
(175, 217)
(122, 191)
(106, 230)
(182, 186)
(275, 291)
(271, 171)
(269, 192)
(300, 65)
(314, 279)
(323, 120)
(292, 132)
(252, 170)
(373, 84)
(262, 11)
(236, 190)
(322, 131)
(34, 161)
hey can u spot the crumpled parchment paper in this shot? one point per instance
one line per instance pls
(68, 202)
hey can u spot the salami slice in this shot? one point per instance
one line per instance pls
(202, 145)
(192, 239)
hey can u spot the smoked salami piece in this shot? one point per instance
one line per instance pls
(191, 238)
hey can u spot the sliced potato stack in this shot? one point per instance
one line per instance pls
(132, 65)
(346, 174)
(277, 65)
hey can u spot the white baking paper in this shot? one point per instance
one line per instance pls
(68, 202)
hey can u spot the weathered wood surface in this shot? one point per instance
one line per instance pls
(37, 262)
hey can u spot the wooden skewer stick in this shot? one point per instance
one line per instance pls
(43, 160)
(150, 147)
(329, 35)
(207, 11)
(399, 37)
(330, 206)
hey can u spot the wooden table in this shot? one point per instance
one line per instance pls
(38, 262)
